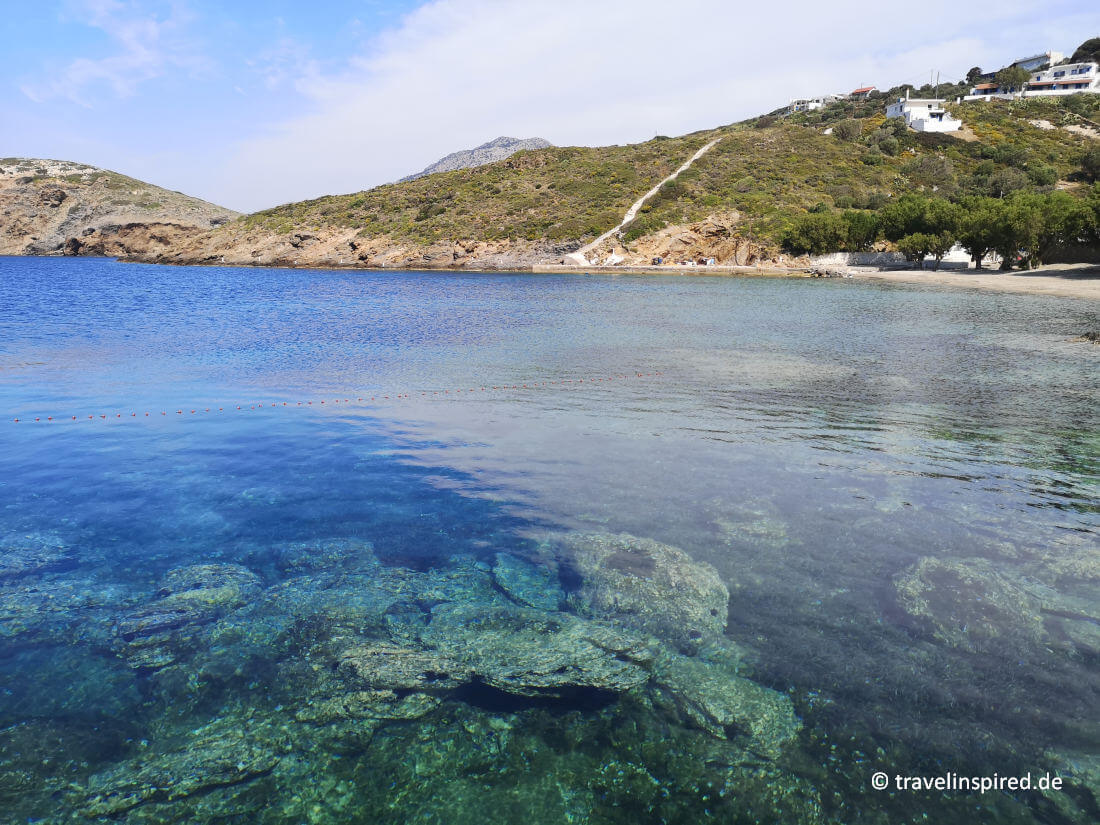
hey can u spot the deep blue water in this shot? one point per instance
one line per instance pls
(898, 485)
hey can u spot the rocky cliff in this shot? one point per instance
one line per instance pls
(59, 207)
(491, 152)
(237, 244)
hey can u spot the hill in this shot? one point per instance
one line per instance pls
(51, 206)
(497, 149)
(736, 204)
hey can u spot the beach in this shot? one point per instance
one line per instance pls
(1060, 280)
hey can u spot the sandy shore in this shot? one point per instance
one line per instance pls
(1061, 280)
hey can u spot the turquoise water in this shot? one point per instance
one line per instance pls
(797, 533)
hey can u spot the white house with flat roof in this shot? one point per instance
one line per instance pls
(989, 91)
(1067, 79)
(924, 115)
(809, 104)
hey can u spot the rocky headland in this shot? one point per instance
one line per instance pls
(51, 207)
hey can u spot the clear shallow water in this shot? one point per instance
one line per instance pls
(897, 486)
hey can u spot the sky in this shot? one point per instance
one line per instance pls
(253, 103)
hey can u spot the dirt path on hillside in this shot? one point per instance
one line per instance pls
(580, 256)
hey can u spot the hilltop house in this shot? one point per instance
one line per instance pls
(810, 104)
(988, 91)
(1067, 79)
(861, 93)
(924, 114)
(1037, 61)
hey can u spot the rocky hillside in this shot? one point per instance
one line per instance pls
(735, 204)
(52, 207)
(499, 149)
(534, 207)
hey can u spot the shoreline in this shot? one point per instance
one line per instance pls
(1056, 280)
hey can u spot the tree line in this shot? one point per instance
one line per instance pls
(1022, 229)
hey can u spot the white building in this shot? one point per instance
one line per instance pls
(1037, 60)
(1069, 79)
(809, 104)
(988, 91)
(924, 115)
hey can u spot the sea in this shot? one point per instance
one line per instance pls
(304, 546)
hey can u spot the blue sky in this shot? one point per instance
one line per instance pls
(250, 104)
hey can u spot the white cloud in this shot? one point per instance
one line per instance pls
(145, 45)
(455, 73)
(286, 61)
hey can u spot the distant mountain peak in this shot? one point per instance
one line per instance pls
(496, 149)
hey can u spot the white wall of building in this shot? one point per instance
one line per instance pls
(1068, 79)
(924, 115)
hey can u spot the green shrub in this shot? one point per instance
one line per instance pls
(1042, 174)
(920, 245)
(816, 233)
(1090, 163)
(1006, 181)
(848, 130)
(873, 157)
(862, 229)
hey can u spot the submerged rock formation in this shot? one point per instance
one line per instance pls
(709, 695)
(968, 604)
(346, 655)
(974, 606)
(32, 555)
(155, 634)
(222, 753)
(646, 585)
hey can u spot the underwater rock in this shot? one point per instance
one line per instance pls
(1080, 770)
(646, 585)
(969, 604)
(224, 752)
(724, 704)
(34, 554)
(536, 653)
(755, 521)
(315, 618)
(528, 584)
(391, 667)
(521, 651)
(328, 555)
(1071, 620)
(367, 704)
(156, 634)
(1072, 559)
(346, 723)
(59, 610)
